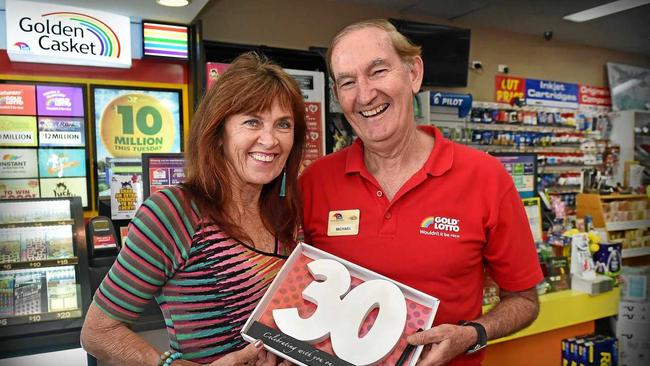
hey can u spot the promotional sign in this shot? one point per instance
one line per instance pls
(65, 187)
(61, 131)
(129, 122)
(17, 99)
(126, 195)
(551, 93)
(18, 163)
(594, 95)
(461, 101)
(59, 101)
(314, 141)
(60, 163)
(212, 72)
(323, 310)
(165, 172)
(59, 34)
(507, 88)
(312, 86)
(17, 131)
(18, 189)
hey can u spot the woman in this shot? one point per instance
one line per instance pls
(208, 250)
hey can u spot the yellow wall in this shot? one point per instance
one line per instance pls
(299, 24)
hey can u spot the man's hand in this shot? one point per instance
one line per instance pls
(443, 343)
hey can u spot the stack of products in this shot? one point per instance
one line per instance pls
(590, 350)
(633, 325)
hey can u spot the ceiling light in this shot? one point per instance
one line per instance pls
(605, 9)
(173, 3)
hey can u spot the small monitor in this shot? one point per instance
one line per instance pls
(522, 167)
(160, 171)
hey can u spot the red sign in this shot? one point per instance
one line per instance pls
(17, 99)
(506, 88)
(594, 95)
(314, 140)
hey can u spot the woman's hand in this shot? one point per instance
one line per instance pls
(252, 355)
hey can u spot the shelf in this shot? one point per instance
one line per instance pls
(39, 263)
(521, 127)
(538, 149)
(36, 224)
(564, 168)
(622, 197)
(627, 225)
(635, 252)
(565, 308)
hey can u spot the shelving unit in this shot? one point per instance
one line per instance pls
(603, 209)
(634, 145)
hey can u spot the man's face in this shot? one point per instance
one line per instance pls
(374, 86)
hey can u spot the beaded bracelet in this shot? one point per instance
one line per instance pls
(168, 357)
(173, 357)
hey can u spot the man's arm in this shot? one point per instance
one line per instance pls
(515, 311)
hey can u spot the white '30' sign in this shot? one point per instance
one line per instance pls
(342, 319)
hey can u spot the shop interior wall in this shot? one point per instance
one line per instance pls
(299, 24)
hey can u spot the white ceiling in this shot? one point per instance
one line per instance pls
(137, 9)
(625, 31)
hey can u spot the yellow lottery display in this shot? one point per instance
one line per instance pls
(132, 124)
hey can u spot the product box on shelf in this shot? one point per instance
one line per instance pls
(634, 311)
(635, 283)
(634, 352)
(323, 310)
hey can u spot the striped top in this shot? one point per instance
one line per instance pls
(206, 283)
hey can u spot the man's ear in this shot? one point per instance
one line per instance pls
(416, 72)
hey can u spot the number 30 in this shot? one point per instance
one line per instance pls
(341, 319)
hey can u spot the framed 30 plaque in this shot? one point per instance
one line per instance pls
(324, 311)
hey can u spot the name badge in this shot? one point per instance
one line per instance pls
(343, 222)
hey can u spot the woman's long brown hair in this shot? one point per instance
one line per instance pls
(251, 84)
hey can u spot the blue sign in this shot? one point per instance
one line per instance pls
(62, 163)
(461, 101)
(551, 93)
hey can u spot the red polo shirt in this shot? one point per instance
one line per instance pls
(455, 217)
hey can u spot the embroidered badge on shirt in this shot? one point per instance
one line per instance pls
(440, 226)
(343, 222)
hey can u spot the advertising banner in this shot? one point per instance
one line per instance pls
(59, 34)
(130, 122)
(350, 315)
(17, 99)
(212, 72)
(18, 188)
(594, 95)
(551, 93)
(61, 131)
(17, 131)
(60, 163)
(18, 163)
(59, 101)
(165, 172)
(65, 187)
(314, 141)
(507, 88)
(126, 195)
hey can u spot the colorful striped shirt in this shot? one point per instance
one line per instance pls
(206, 283)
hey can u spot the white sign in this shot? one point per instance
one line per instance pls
(57, 34)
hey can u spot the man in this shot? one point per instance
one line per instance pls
(407, 203)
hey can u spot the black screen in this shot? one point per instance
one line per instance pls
(445, 51)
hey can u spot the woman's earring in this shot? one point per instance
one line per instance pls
(283, 185)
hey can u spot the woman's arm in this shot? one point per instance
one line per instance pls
(112, 341)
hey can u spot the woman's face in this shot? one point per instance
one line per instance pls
(257, 145)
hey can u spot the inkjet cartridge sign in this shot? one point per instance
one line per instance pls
(56, 34)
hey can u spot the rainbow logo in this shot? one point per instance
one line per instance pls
(427, 222)
(22, 46)
(10, 157)
(109, 43)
